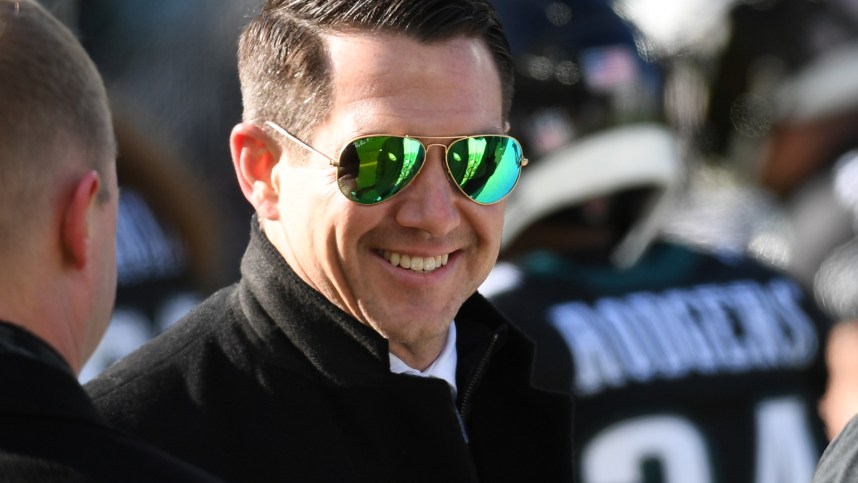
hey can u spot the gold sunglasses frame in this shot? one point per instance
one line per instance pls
(333, 162)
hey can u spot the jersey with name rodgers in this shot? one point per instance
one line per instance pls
(687, 368)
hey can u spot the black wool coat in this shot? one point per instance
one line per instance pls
(268, 381)
(51, 432)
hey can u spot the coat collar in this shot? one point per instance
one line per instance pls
(285, 311)
(288, 316)
(36, 380)
(16, 339)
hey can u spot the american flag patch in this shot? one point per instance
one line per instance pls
(609, 68)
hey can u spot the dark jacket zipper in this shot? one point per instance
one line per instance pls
(472, 384)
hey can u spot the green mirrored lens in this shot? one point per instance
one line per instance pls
(375, 168)
(486, 168)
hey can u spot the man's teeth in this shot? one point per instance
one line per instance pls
(418, 264)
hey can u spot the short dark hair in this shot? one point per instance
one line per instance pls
(53, 105)
(283, 63)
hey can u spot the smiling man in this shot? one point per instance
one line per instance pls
(355, 346)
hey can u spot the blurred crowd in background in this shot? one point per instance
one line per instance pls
(760, 95)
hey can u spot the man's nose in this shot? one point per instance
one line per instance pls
(430, 203)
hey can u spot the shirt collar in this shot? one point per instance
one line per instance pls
(444, 367)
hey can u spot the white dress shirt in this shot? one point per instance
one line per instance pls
(444, 367)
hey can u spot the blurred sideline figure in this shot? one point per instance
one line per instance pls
(687, 366)
(171, 245)
(189, 95)
(169, 248)
(784, 113)
(58, 213)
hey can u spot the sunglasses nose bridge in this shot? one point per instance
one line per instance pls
(440, 145)
(445, 148)
(445, 160)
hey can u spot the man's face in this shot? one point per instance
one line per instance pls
(394, 85)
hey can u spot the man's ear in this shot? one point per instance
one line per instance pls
(75, 230)
(255, 158)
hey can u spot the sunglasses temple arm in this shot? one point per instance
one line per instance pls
(304, 145)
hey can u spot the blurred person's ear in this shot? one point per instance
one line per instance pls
(255, 158)
(76, 220)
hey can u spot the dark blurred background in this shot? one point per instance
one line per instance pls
(762, 94)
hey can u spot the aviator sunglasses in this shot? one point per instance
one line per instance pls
(371, 169)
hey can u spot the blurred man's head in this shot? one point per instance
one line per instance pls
(783, 106)
(58, 193)
(588, 109)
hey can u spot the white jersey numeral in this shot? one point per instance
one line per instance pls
(785, 450)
